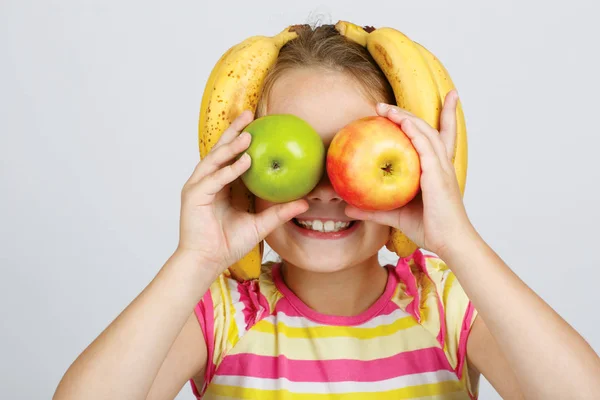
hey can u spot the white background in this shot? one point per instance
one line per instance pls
(98, 132)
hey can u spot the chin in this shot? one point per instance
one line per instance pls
(324, 262)
(328, 256)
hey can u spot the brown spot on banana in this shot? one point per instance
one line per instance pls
(383, 55)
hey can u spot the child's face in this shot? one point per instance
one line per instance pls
(327, 101)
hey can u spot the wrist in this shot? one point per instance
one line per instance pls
(197, 261)
(190, 272)
(462, 242)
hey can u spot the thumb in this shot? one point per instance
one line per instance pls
(389, 218)
(277, 215)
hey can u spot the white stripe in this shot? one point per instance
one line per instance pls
(303, 322)
(238, 305)
(335, 387)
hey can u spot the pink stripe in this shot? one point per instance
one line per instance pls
(286, 308)
(195, 389)
(405, 275)
(406, 363)
(421, 261)
(464, 334)
(304, 310)
(204, 311)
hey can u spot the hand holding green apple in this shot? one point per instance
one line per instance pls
(211, 228)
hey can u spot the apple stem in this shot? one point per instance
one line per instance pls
(387, 168)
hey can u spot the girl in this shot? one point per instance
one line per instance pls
(328, 320)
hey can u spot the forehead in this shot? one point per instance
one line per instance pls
(327, 100)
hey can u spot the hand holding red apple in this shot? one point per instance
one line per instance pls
(437, 215)
(373, 165)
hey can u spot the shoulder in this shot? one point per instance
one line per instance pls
(422, 275)
(229, 309)
(244, 303)
(430, 291)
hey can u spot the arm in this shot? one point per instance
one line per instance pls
(485, 357)
(522, 334)
(125, 359)
(546, 356)
(186, 360)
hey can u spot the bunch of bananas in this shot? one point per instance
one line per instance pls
(419, 80)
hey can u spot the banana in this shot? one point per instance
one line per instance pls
(406, 70)
(234, 85)
(206, 97)
(445, 85)
(420, 84)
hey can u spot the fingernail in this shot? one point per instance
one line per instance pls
(383, 106)
(244, 135)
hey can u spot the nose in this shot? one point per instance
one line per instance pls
(324, 192)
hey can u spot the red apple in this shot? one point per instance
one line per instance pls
(373, 165)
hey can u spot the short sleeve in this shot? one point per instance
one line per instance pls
(458, 311)
(441, 306)
(225, 313)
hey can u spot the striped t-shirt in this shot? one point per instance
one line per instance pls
(263, 342)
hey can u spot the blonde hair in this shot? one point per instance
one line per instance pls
(323, 47)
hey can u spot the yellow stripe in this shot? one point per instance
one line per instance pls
(433, 389)
(225, 328)
(334, 348)
(336, 331)
(232, 334)
(445, 294)
(448, 286)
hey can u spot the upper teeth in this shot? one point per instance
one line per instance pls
(326, 226)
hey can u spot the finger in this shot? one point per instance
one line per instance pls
(389, 110)
(397, 115)
(432, 135)
(273, 217)
(234, 128)
(215, 182)
(448, 123)
(389, 218)
(228, 136)
(430, 160)
(218, 158)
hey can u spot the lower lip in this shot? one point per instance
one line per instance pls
(325, 235)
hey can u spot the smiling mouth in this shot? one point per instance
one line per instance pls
(324, 226)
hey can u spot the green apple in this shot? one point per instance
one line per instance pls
(288, 158)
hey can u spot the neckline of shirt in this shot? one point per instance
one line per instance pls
(337, 320)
